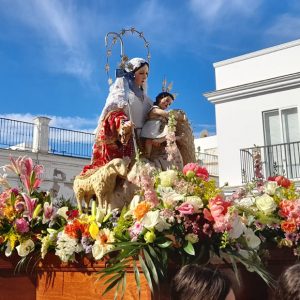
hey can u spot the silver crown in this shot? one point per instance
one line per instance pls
(111, 38)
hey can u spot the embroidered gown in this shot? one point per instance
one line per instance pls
(108, 144)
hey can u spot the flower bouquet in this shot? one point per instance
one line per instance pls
(26, 214)
(272, 208)
(176, 217)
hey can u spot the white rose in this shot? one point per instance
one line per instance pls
(169, 197)
(25, 248)
(150, 219)
(195, 201)
(167, 178)
(252, 240)
(162, 225)
(246, 202)
(265, 203)
(270, 187)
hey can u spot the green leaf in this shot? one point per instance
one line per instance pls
(117, 290)
(128, 244)
(111, 270)
(189, 248)
(151, 266)
(165, 244)
(157, 260)
(137, 278)
(146, 273)
(118, 275)
(123, 286)
(113, 284)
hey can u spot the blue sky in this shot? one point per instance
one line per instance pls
(52, 53)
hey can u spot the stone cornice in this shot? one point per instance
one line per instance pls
(254, 88)
(257, 53)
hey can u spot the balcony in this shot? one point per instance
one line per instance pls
(40, 137)
(210, 162)
(281, 159)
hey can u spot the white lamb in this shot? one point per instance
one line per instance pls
(100, 183)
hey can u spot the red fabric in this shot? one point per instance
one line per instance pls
(107, 145)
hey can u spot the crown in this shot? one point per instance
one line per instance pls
(167, 87)
(112, 38)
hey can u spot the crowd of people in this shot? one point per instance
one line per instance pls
(196, 282)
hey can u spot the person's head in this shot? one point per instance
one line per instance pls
(163, 100)
(139, 69)
(194, 282)
(288, 287)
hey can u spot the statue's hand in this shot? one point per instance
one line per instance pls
(125, 131)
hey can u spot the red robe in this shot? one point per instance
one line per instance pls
(108, 144)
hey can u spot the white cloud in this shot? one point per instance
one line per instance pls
(215, 11)
(58, 25)
(72, 123)
(285, 27)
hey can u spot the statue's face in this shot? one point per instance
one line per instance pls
(141, 75)
(165, 102)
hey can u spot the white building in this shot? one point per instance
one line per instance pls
(63, 153)
(257, 101)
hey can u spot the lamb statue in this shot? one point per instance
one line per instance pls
(100, 182)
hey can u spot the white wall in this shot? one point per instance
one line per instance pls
(207, 144)
(239, 125)
(260, 65)
(58, 174)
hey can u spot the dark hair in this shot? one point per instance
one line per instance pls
(288, 287)
(161, 96)
(195, 282)
(142, 65)
(130, 75)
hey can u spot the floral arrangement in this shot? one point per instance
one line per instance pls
(177, 216)
(171, 147)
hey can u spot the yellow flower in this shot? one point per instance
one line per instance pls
(93, 230)
(9, 212)
(149, 237)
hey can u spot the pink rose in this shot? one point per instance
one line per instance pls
(218, 212)
(22, 225)
(192, 169)
(186, 209)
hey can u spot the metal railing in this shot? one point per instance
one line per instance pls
(281, 159)
(70, 142)
(209, 161)
(16, 134)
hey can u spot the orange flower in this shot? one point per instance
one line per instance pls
(288, 226)
(77, 229)
(141, 209)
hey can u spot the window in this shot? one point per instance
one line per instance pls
(282, 142)
(281, 126)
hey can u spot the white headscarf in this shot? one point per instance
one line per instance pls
(116, 97)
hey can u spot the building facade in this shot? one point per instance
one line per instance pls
(257, 102)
